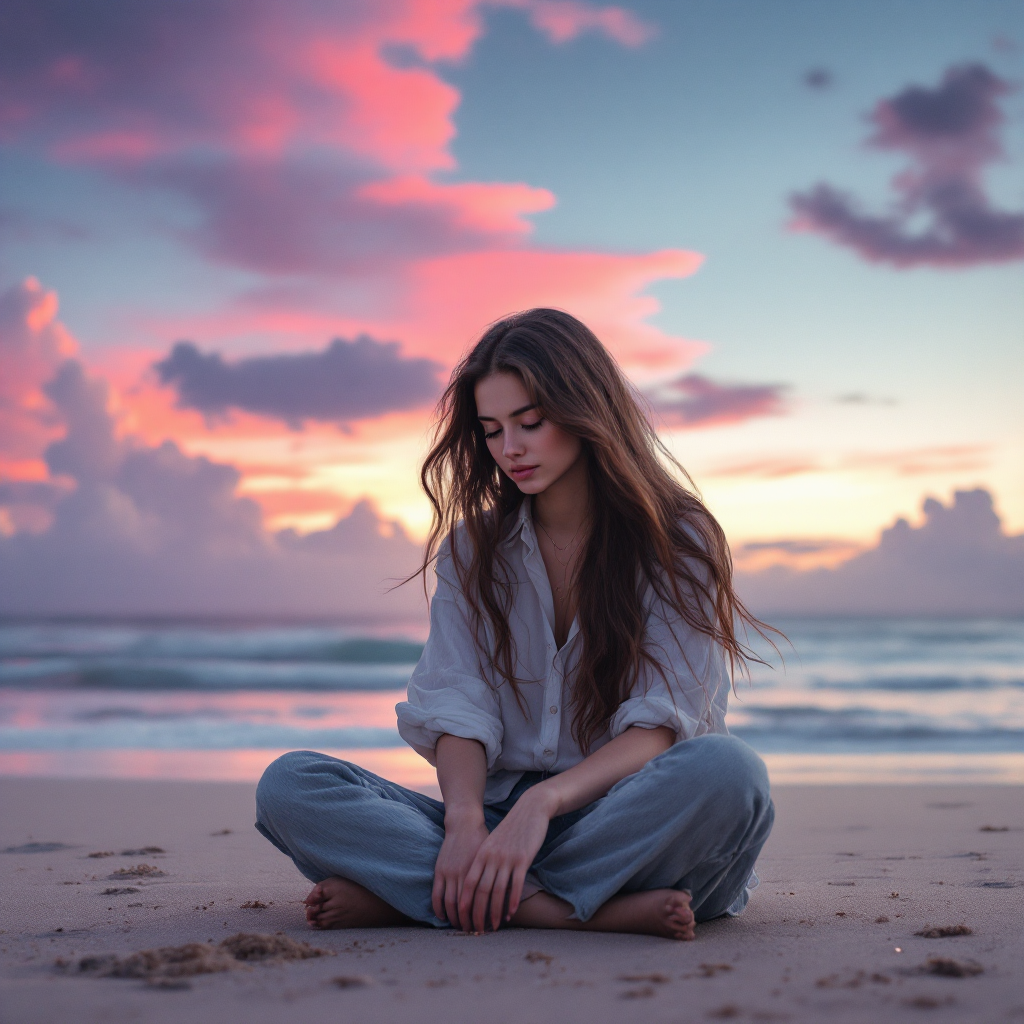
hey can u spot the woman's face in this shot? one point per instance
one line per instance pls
(530, 449)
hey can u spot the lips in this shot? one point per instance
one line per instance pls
(521, 472)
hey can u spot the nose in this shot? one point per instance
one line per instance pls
(512, 443)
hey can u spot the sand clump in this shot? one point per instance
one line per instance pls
(853, 980)
(944, 967)
(166, 962)
(195, 958)
(250, 946)
(928, 932)
(138, 871)
(710, 970)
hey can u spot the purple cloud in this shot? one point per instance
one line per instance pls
(291, 217)
(348, 380)
(950, 133)
(149, 530)
(958, 562)
(695, 401)
(301, 142)
(818, 79)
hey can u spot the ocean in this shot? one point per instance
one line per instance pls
(881, 700)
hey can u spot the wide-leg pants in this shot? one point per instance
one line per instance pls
(695, 817)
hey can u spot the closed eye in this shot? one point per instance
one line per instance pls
(525, 426)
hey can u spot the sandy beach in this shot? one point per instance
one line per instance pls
(850, 875)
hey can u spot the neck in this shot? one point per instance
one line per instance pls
(563, 506)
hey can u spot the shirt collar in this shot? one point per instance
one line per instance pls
(523, 526)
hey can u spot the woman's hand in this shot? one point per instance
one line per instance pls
(461, 774)
(503, 859)
(463, 837)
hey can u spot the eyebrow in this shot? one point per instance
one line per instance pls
(514, 412)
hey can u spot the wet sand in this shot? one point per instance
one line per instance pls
(850, 875)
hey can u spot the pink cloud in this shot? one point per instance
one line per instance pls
(303, 144)
(562, 20)
(308, 152)
(437, 307)
(297, 217)
(254, 78)
(928, 461)
(493, 208)
(33, 343)
(450, 300)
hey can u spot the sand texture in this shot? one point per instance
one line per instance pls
(192, 916)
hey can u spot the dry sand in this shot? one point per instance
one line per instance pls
(849, 876)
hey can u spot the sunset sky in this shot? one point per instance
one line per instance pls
(798, 226)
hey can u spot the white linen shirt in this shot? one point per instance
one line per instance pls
(454, 691)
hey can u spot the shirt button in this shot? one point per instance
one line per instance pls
(548, 751)
(553, 709)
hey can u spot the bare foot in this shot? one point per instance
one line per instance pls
(664, 912)
(339, 903)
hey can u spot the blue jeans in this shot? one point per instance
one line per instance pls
(695, 817)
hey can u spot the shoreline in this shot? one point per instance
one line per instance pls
(403, 765)
(811, 944)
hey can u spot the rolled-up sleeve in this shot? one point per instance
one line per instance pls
(447, 691)
(687, 686)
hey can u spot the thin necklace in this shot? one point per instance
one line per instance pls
(564, 547)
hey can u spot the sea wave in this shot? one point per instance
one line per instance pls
(849, 685)
(205, 674)
(809, 727)
(922, 683)
(194, 734)
(82, 643)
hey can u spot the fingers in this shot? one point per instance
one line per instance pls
(437, 897)
(451, 903)
(498, 896)
(515, 892)
(482, 896)
(468, 892)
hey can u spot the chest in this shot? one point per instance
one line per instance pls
(561, 570)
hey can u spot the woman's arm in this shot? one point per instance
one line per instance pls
(461, 774)
(504, 857)
(595, 775)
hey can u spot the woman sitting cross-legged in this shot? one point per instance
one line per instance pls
(573, 688)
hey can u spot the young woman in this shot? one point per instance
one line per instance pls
(573, 689)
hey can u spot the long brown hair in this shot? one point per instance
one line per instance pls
(647, 530)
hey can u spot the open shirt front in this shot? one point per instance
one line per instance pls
(454, 690)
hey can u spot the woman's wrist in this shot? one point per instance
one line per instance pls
(544, 798)
(468, 814)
